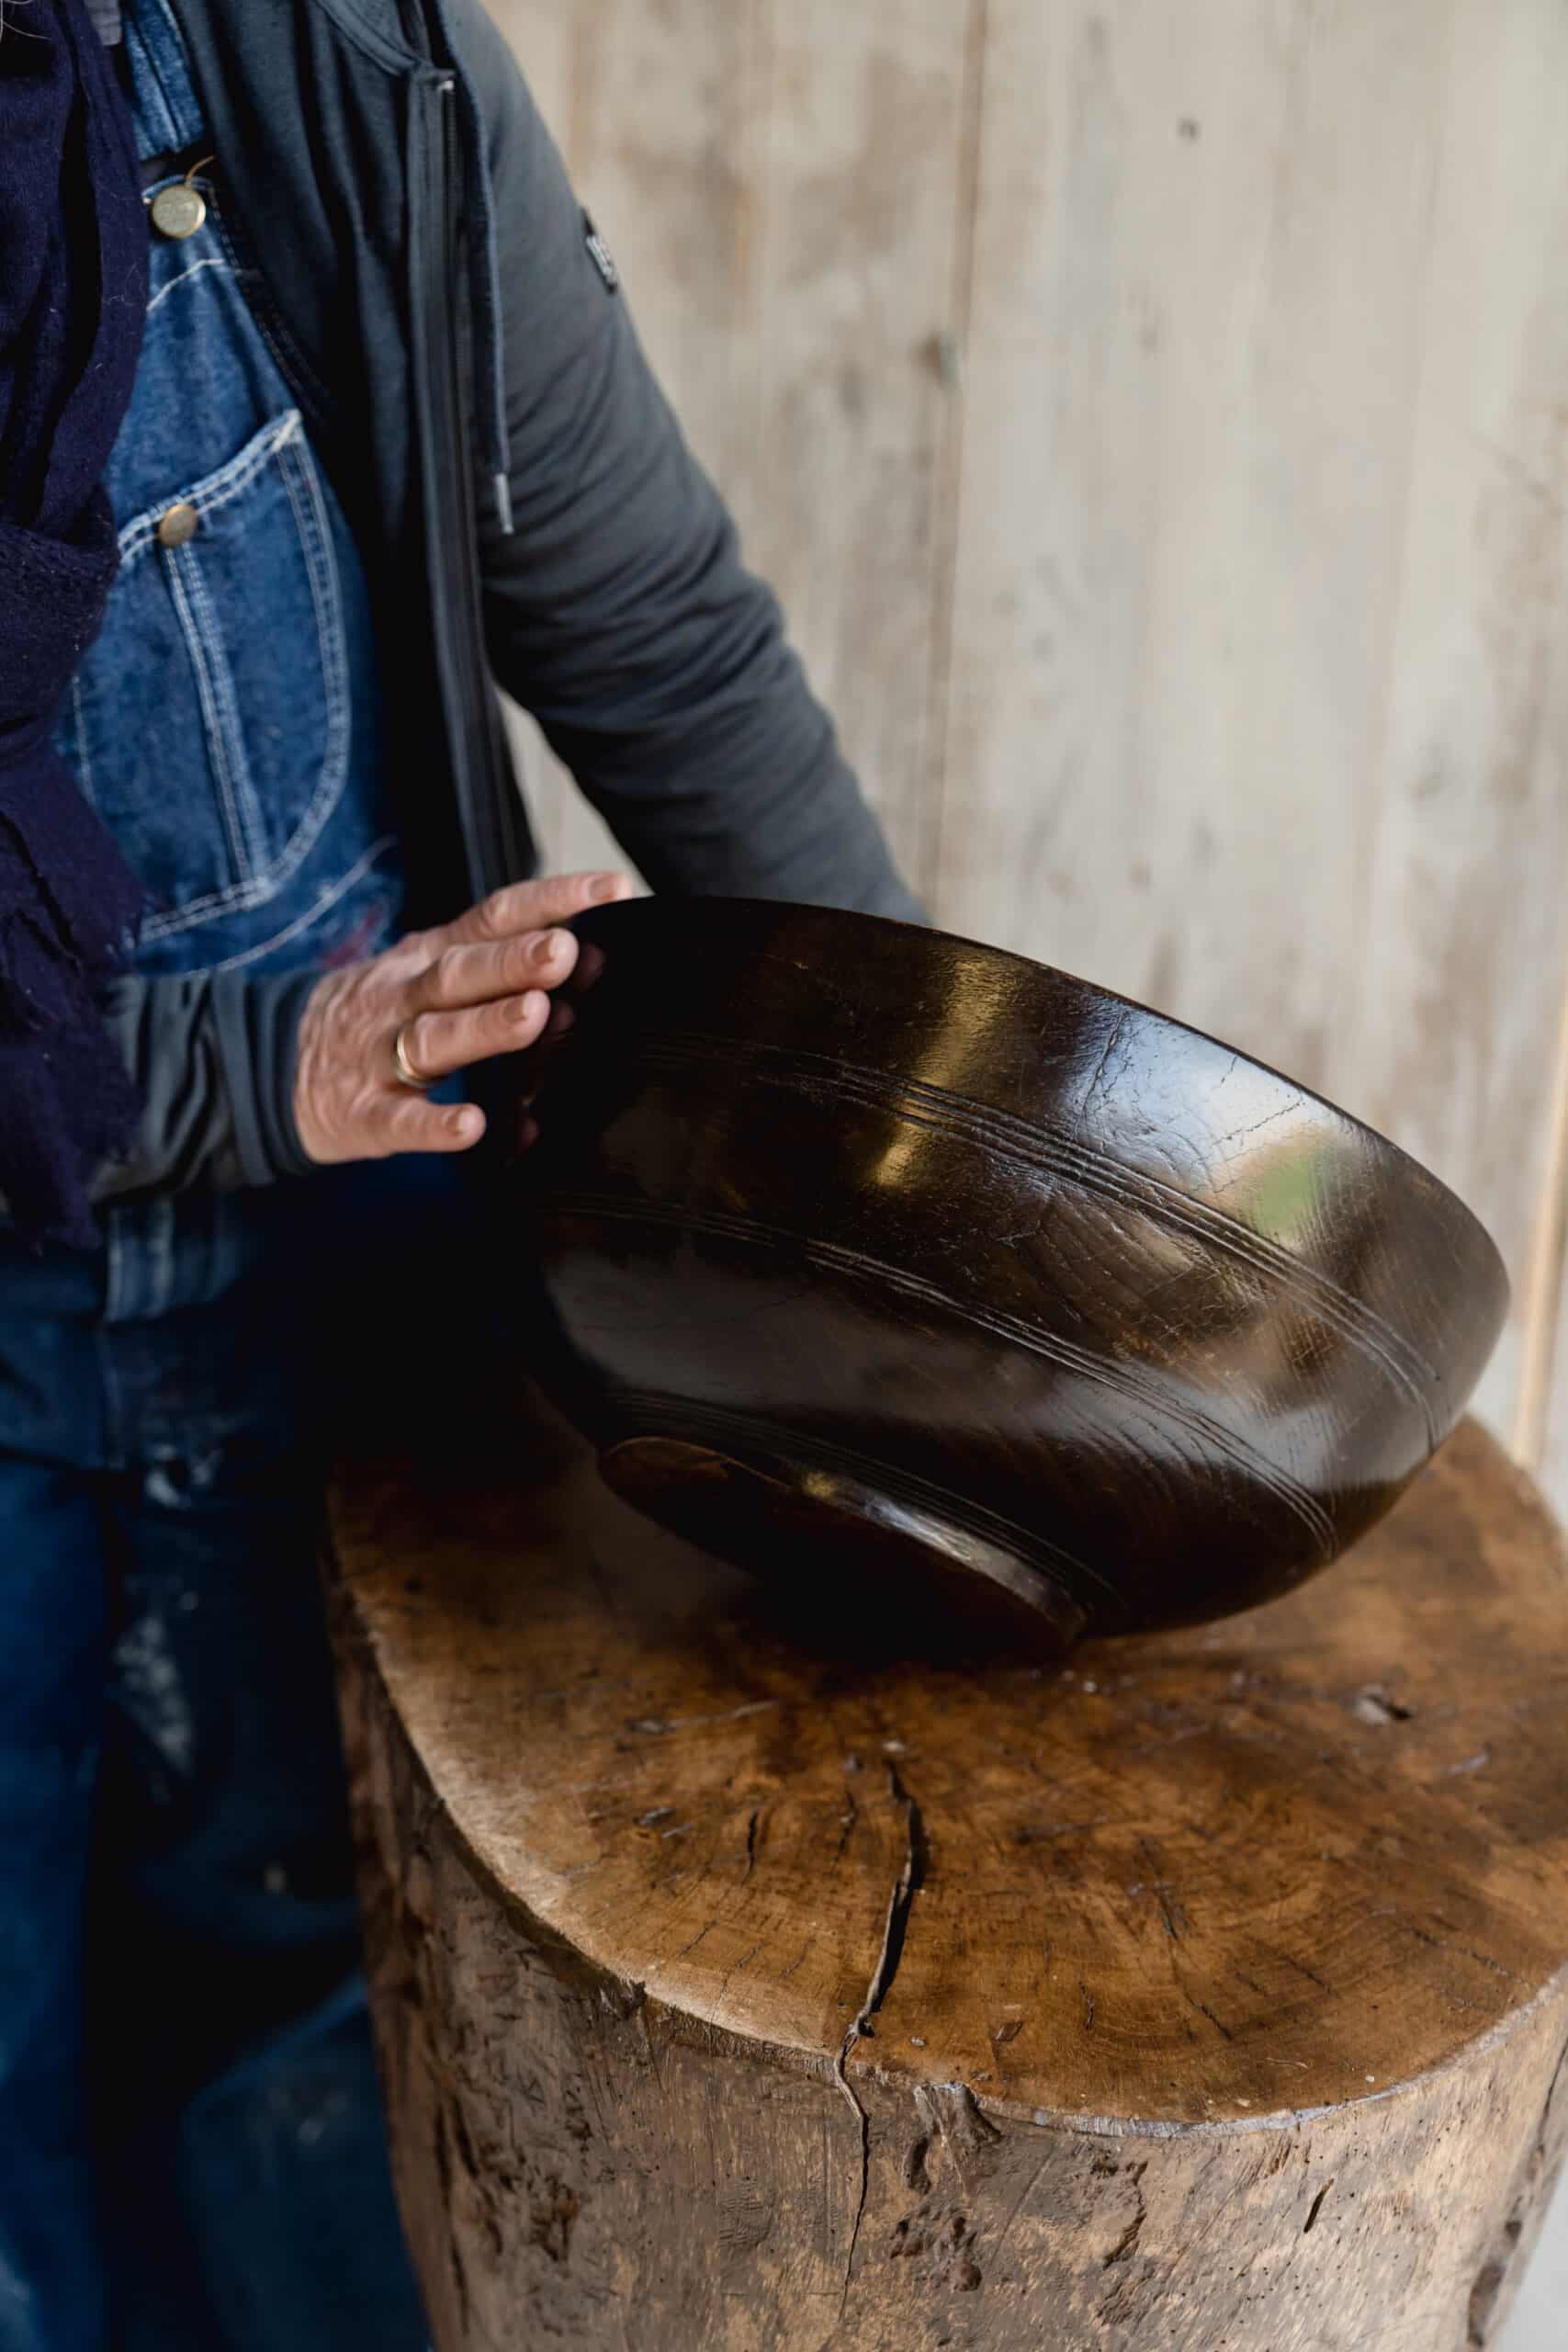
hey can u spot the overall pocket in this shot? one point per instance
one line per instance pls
(210, 722)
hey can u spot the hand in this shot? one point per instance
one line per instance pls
(474, 988)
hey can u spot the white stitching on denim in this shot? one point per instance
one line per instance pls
(315, 535)
(329, 898)
(267, 879)
(212, 261)
(217, 489)
(245, 803)
(215, 746)
(237, 899)
(314, 529)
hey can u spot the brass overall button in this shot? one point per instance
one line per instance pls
(178, 525)
(179, 210)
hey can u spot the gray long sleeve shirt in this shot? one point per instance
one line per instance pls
(611, 600)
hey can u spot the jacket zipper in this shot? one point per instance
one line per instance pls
(494, 836)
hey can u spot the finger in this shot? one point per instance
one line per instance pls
(530, 906)
(405, 1122)
(475, 974)
(436, 1044)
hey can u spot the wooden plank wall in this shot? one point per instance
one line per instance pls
(1155, 421)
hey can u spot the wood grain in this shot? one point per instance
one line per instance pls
(1541, 1420)
(794, 281)
(1555, 1447)
(1212, 638)
(1258, 704)
(735, 1992)
(1465, 948)
(861, 234)
(1155, 422)
(657, 112)
(1198, 265)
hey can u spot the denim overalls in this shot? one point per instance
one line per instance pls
(190, 2145)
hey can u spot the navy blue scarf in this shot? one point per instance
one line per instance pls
(73, 300)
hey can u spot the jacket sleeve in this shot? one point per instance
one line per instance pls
(618, 611)
(213, 1056)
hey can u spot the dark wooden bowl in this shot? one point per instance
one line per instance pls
(870, 1253)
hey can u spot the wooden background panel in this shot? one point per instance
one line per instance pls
(1453, 1000)
(1194, 349)
(793, 278)
(654, 106)
(1155, 423)
(842, 488)
(1541, 1420)
(1551, 1463)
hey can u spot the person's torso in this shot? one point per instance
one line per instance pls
(226, 722)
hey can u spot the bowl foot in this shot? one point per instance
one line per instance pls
(827, 1540)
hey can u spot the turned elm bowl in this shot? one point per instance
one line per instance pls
(872, 1258)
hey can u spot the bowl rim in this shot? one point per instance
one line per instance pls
(671, 903)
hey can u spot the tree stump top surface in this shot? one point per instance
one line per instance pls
(1256, 1869)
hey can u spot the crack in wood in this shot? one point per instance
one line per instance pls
(1292, 1960)
(1205, 2010)
(706, 1929)
(1466, 1952)
(847, 1822)
(911, 1876)
(1316, 2206)
(743, 1962)
(1172, 1913)
(660, 1727)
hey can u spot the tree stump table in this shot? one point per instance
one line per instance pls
(742, 1992)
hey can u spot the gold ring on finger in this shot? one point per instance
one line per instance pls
(407, 1074)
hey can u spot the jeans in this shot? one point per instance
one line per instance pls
(191, 2153)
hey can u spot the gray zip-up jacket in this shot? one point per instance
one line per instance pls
(529, 513)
